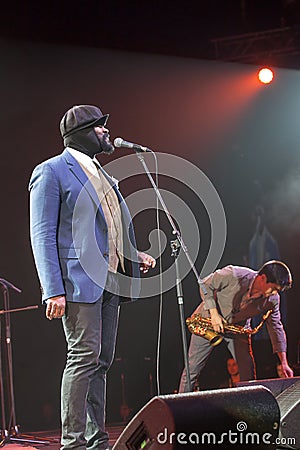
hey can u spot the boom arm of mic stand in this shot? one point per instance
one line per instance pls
(7, 284)
(175, 231)
(26, 308)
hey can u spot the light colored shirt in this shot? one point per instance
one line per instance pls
(228, 290)
(110, 206)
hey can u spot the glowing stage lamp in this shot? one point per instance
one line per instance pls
(265, 75)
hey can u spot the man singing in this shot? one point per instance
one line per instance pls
(83, 244)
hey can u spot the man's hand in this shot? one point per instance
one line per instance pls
(287, 372)
(56, 307)
(216, 320)
(146, 262)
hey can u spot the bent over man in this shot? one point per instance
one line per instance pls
(235, 294)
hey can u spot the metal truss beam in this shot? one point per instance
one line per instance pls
(254, 47)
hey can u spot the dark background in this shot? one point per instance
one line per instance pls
(152, 67)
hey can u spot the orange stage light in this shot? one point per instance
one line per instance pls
(265, 75)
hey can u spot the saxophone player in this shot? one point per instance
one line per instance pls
(235, 295)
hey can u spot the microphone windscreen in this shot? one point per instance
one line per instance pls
(118, 142)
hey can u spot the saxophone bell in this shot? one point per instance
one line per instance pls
(204, 331)
(213, 337)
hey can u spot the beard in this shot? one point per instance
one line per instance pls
(106, 145)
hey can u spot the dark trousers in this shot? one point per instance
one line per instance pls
(90, 330)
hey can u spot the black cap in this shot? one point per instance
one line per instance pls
(80, 117)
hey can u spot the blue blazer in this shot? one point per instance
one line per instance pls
(69, 234)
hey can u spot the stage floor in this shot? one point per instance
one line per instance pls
(52, 439)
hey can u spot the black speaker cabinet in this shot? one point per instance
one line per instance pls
(287, 394)
(289, 405)
(246, 418)
(276, 385)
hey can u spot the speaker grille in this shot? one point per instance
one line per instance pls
(289, 405)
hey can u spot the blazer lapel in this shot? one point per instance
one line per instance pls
(77, 171)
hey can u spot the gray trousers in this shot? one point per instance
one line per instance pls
(200, 349)
(90, 330)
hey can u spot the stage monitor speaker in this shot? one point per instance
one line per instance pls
(276, 385)
(287, 394)
(289, 405)
(245, 418)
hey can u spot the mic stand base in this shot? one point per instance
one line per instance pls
(15, 436)
(10, 431)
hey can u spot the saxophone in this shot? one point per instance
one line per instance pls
(202, 327)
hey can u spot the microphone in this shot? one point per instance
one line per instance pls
(119, 142)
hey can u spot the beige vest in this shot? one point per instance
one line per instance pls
(112, 213)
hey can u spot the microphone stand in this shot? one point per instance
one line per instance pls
(179, 244)
(10, 430)
(175, 246)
